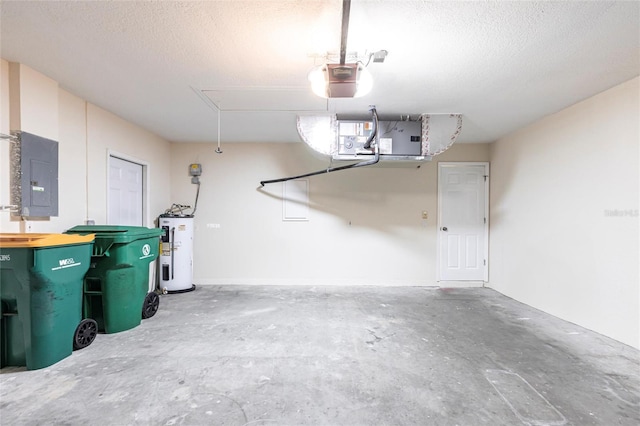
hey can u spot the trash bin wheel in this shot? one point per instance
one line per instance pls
(151, 304)
(85, 333)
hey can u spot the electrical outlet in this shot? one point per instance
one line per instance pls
(26, 227)
(213, 225)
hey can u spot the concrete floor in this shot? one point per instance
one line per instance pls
(240, 355)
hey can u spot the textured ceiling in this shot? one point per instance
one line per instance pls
(166, 65)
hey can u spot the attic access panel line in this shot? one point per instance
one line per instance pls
(376, 158)
(291, 99)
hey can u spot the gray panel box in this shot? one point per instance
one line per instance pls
(34, 176)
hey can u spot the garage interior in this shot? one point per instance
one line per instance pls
(343, 312)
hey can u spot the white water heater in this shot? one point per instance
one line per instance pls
(176, 253)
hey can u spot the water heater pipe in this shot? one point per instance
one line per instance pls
(195, 206)
(173, 237)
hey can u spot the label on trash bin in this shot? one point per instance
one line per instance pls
(146, 252)
(66, 263)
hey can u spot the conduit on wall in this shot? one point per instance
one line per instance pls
(372, 141)
(13, 140)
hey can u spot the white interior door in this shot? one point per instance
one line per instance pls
(125, 193)
(463, 221)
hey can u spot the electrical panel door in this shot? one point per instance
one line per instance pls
(37, 174)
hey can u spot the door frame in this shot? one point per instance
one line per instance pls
(146, 219)
(485, 277)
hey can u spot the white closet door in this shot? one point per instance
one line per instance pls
(125, 193)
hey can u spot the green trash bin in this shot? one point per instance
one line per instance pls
(116, 287)
(41, 279)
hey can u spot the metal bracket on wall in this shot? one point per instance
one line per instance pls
(9, 208)
(12, 138)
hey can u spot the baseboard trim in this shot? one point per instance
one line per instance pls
(336, 282)
(461, 284)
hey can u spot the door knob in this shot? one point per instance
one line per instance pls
(444, 228)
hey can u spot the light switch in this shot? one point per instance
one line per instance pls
(425, 214)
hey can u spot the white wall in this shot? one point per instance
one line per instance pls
(387, 242)
(4, 97)
(33, 102)
(109, 133)
(86, 133)
(72, 167)
(554, 184)
(5, 146)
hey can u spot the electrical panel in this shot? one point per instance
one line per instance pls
(400, 138)
(34, 178)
